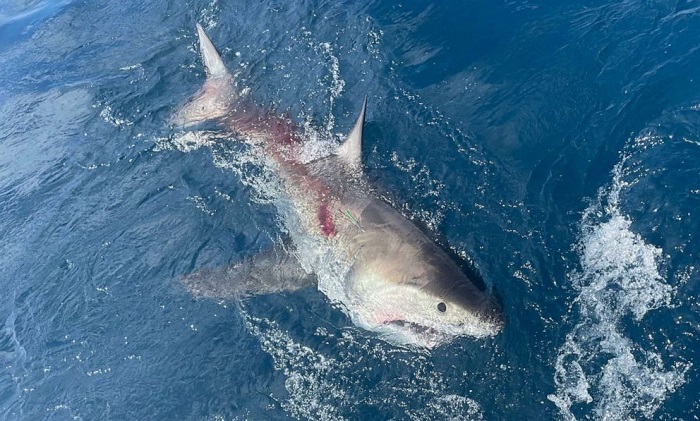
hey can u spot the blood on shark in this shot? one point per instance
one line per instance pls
(395, 280)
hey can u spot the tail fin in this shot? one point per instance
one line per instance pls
(216, 97)
(212, 60)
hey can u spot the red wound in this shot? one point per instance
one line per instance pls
(325, 219)
(282, 129)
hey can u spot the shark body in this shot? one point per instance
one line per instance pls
(392, 280)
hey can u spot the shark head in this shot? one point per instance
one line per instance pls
(424, 312)
(409, 290)
(418, 318)
(433, 310)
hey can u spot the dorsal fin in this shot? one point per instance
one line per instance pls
(212, 60)
(351, 149)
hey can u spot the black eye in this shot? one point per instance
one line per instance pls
(442, 307)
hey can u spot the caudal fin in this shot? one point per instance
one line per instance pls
(216, 97)
(212, 60)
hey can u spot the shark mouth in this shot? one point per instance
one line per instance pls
(416, 334)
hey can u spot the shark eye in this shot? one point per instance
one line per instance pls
(442, 307)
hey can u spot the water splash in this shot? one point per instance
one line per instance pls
(324, 387)
(619, 277)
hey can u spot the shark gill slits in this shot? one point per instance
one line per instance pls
(442, 307)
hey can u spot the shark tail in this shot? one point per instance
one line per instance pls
(217, 100)
(212, 60)
(216, 97)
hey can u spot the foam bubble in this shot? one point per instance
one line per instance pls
(317, 143)
(187, 141)
(598, 368)
(332, 83)
(111, 117)
(324, 387)
(208, 15)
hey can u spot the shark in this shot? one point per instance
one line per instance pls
(380, 268)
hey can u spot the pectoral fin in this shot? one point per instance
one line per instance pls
(272, 271)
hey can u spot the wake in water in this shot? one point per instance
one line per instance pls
(323, 387)
(12, 357)
(599, 367)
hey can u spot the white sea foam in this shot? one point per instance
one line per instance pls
(109, 116)
(317, 143)
(332, 83)
(599, 370)
(187, 141)
(324, 387)
(208, 15)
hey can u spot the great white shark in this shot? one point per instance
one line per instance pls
(393, 279)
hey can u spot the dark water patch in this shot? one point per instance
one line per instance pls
(17, 23)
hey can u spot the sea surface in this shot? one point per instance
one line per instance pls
(553, 145)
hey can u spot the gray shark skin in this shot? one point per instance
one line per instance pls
(393, 280)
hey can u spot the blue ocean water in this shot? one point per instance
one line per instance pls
(555, 146)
